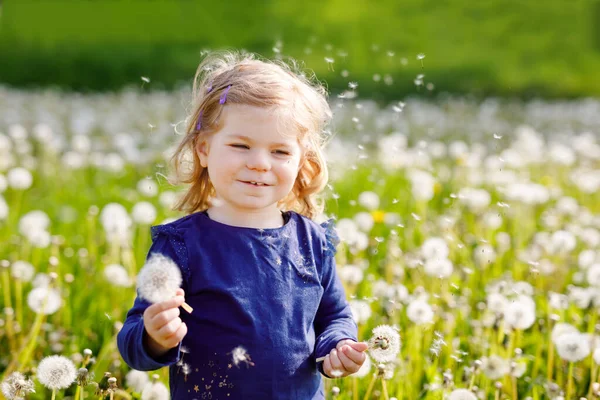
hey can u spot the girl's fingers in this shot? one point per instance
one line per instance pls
(164, 317)
(178, 336)
(357, 357)
(336, 364)
(327, 366)
(348, 364)
(170, 328)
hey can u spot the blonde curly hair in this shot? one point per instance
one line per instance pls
(300, 101)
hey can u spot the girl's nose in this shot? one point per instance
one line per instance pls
(259, 160)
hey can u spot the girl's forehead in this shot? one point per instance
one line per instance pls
(258, 123)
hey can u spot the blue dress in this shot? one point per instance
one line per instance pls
(274, 292)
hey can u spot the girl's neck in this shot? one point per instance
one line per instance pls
(260, 220)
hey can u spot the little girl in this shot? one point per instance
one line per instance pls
(258, 272)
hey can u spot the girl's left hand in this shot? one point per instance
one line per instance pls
(345, 359)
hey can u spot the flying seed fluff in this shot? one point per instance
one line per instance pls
(300, 105)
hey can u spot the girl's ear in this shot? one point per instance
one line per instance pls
(202, 150)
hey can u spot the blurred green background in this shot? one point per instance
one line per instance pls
(520, 48)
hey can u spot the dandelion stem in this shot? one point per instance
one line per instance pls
(354, 388)
(570, 381)
(370, 387)
(7, 304)
(514, 388)
(384, 389)
(592, 379)
(53, 394)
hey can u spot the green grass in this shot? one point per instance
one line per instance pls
(507, 48)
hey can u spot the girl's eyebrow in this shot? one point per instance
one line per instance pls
(247, 139)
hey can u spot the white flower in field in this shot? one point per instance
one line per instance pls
(588, 257)
(495, 367)
(361, 311)
(40, 239)
(567, 206)
(17, 132)
(364, 369)
(116, 222)
(5, 143)
(435, 248)
(3, 183)
(144, 213)
(590, 236)
(422, 185)
(117, 275)
(155, 391)
(461, 394)
(112, 162)
(364, 221)
(147, 187)
(438, 268)
(3, 208)
(475, 199)
(458, 149)
(419, 312)
(581, 297)
(562, 328)
(572, 347)
(520, 313)
(492, 220)
(558, 301)
(561, 242)
(33, 221)
(41, 280)
(597, 355)
(56, 372)
(369, 200)
(159, 279)
(593, 275)
(44, 300)
(168, 199)
(43, 133)
(561, 154)
(384, 344)
(523, 288)
(484, 254)
(74, 160)
(16, 386)
(137, 380)
(346, 229)
(81, 143)
(22, 270)
(351, 274)
(527, 193)
(19, 178)
(503, 242)
(496, 302)
(587, 180)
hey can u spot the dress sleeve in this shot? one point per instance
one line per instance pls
(333, 321)
(132, 337)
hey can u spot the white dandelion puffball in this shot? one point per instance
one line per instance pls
(147, 187)
(144, 213)
(419, 312)
(155, 391)
(117, 275)
(573, 347)
(461, 394)
(137, 380)
(168, 199)
(159, 279)
(22, 270)
(38, 296)
(520, 313)
(33, 221)
(369, 200)
(561, 328)
(16, 386)
(384, 345)
(19, 178)
(495, 367)
(438, 268)
(56, 372)
(361, 311)
(434, 248)
(596, 355)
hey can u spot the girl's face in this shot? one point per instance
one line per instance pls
(251, 165)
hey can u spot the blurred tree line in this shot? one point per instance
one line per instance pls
(519, 48)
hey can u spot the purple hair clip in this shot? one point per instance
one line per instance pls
(223, 98)
(199, 123)
(209, 88)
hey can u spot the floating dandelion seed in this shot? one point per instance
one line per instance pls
(384, 345)
(239, 355)
(420, 57)
(497, 136)
(329, 62)
(159, 279)
(145, 79)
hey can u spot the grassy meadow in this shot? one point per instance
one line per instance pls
(471, 228)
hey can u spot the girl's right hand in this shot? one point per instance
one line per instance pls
(163, 325)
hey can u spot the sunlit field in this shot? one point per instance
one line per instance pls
(470, 228)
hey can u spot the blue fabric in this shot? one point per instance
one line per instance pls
(275, 292)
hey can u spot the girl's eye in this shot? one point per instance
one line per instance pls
(240, 146)
(282, 152)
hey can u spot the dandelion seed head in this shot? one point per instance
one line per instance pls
(572, 347)
(137, 380)
(19, 178)
(38, 296)
(495, 367)
(117, 275)
(144, 213)
(155, 391)
(56, 372)
(384, 344)
(22, 270)
(159, 279)
(462, 394)
(16, 386)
